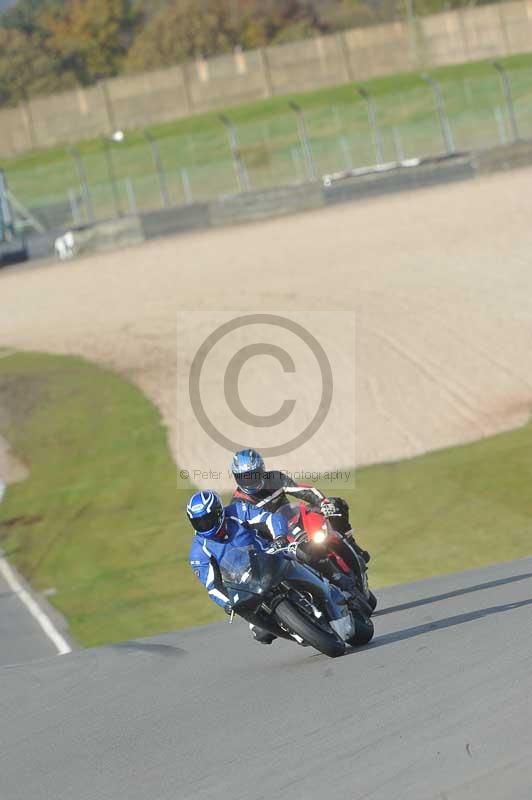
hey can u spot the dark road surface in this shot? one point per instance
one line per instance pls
(21, 637)
(438, 707)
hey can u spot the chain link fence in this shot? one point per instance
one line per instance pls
(136, 173)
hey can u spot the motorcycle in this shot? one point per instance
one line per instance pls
(293, 601)
(319, 541)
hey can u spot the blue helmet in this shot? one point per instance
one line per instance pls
(248, 470)
(206, 513)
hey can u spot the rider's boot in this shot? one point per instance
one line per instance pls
(326, 568)
(260, 635)
(342, 581)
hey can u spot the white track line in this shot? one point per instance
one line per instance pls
(33, 607)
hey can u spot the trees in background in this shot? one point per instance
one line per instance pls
(176, 30)
(90, 38)
(182, 30)
(26, 68)
(25, 14)
(50, 45)
(27, 65)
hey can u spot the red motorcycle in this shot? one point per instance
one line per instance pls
(318, 540)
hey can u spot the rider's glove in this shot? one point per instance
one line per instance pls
(328, 507)
(299, 535)
(278, 544)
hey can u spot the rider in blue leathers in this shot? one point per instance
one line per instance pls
(238, 525)
(218, 528)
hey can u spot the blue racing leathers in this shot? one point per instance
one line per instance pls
(240, 529)
(266, 522)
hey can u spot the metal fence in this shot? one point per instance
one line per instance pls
(137, 173)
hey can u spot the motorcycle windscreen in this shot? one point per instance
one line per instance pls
(244, 569)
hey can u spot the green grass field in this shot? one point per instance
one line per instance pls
(197, 159)
(100, 519)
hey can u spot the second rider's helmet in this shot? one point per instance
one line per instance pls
(206, 513)
(248, 470)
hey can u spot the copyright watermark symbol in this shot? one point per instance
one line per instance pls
(282, 383)
(212, 476)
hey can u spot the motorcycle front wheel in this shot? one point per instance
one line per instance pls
(364, 630)
(298, 623)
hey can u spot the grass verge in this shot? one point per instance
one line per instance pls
(264, 110)
(100, 519)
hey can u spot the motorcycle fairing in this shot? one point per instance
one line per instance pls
(252, 575)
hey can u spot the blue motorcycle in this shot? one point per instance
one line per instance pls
(293, 601)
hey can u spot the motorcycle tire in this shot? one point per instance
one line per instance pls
(364, 630)
(298, 623)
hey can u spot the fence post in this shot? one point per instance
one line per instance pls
(399, 152)
(186, 87)
(346, 56)
(412, 26)
(74, 207)
(375, 130)
(7, 223)
(187, 188)
(240, 169)
(344, 146)
(299, 168)
(112, 176)
(305, 141)
(158, 163)
(131, 197)
(266, 72)
(445, 127)
(82, 178)
(27, 116)
(109, 110)
(506, 88)
(501, 127)
(504, 31)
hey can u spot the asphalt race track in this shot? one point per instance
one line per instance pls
(438, 707)
(21, 638)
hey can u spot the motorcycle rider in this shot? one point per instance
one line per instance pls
(268, 490)
(217, 528)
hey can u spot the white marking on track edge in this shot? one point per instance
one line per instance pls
(35, 610)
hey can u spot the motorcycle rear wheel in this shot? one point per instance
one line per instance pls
(298, 623)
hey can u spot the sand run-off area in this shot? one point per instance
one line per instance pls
(437, 284)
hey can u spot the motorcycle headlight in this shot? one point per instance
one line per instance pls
(319, 536)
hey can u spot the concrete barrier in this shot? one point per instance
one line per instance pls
(108, 235)
(400, 177)
(509, 156)
(282, 200)
(175, 220)
(267, 203)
